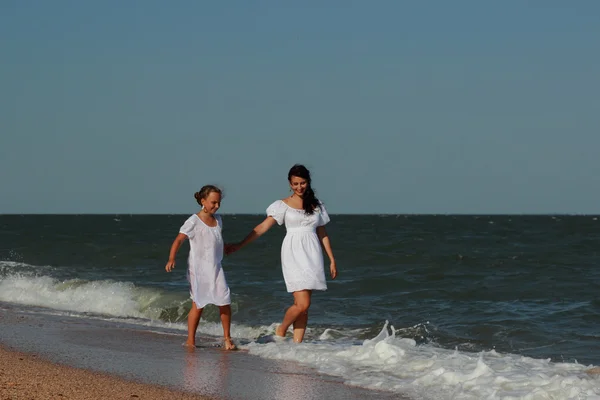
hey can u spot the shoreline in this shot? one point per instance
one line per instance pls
(47, 356)
(30, 376)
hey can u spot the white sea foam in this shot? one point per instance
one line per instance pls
(384, 362)
(108, 300)
(101, 297)
(429, 372)
(15, 267)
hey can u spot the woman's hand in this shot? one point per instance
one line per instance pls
(170, 265)
(333, 270)
(231, 248)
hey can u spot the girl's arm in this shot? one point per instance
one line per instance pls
(174, 249)
(257, 232)
(324, 238)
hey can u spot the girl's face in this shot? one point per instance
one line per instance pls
(211, 203)
(298, 185)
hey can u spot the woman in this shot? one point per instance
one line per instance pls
(301, 256)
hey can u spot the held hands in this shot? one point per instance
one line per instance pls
(170, 265)
(333, 270)
(231, 248)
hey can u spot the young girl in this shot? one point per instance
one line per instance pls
(301, 256)
(205, 274)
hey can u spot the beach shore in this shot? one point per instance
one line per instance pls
(54, 356)
(26, 376)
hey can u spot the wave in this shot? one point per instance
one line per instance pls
(110, 300)
(28, 285)
(401, 361)
(121, 299)
(397, 364)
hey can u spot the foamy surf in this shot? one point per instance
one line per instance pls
(387, 360)
(396, 364)
(121, 299)
(108, 300)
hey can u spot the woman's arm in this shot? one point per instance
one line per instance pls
(174, 249)
(324, 238)
(257, 232)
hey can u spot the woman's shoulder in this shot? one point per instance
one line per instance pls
(278, 203)
(321, 207)
(277, 210)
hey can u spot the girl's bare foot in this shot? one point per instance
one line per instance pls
(190, 344)
(229, 345)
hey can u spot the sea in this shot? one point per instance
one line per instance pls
(425, 306)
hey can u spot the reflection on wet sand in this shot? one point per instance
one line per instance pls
(159, 358)
(206, 374)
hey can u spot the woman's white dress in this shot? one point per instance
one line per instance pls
(301, 254)
(205, 273)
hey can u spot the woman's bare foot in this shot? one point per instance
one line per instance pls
(278, 331)
(229, 345)
(190, 344)
(594, 371)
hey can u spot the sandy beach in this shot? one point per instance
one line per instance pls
(26, 376)
(48, 356)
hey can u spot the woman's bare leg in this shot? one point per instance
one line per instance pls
(300, 327)
(298, 309)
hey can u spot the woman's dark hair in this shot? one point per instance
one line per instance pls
(309, 201)
(205, 191)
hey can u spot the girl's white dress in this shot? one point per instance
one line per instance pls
(301, 254)
(205, 273)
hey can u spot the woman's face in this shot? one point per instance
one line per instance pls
(298, 185)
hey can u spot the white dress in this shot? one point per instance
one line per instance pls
(205, 273)
(301, 254)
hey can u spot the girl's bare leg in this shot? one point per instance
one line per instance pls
(297, 314)
(193, 321)
(225, 312)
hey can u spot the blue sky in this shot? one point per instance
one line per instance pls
(396, 107)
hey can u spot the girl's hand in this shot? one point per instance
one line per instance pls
(333, 270)
(170, 265)
(231, 248)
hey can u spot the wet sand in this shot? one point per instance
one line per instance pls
(25, 376)
(86, 358)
